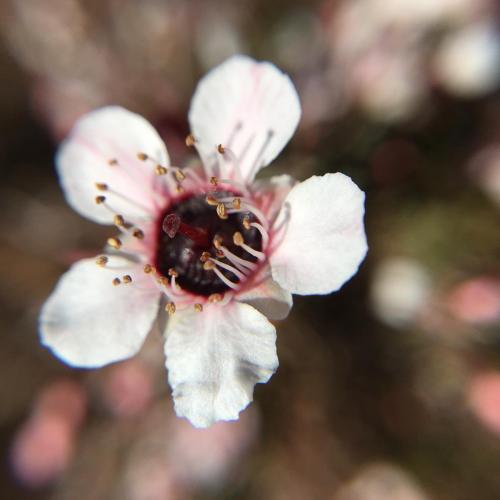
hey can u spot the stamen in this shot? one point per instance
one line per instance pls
(102, 260)
(240, 263)
(227, 281)
(240, 242)
(221, 149)
(116, 282)
(217, 242)
(172, 225)
(127, 279)
(198, 307)
(170, 308)
(221, 211)
(205, 256)
(101, 186)
(212, 201)
(115, 243)
(138, 233)
(214, 298)
(100, 200)
(179, 174)
(119, 220)
(214, 181)
(142, 156)
(190, 140)
(173, 272)
(209, 265)
(237, 203)
(113, 162)
(160, 170)
(148, 269)
(246, 222)
(228, 267)
(247, 207)
(263, 233)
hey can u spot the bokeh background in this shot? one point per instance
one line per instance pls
(388, 389)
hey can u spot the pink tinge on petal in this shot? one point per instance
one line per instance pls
(42, 449)
(128, 388)
(476, 301)
(483, 396)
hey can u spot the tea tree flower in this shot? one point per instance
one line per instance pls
(217, 251)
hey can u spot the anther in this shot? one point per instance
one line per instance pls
(116, 282)
(113, 162)
(208, 265)
(159, 170)
(238, 239)
(119, 220)
(148, 268)
(142, 156)
(114, 243)
(162, 280)
(101, 186)
(180, 176)
(198, 307)
(170, 308)
(221, 211)
(127, 278)
(100, 199)
(214, 181)
(221, 149)
(190, 140)
(138, 233)
(246, 222)
(212, 201)
(217, 241)
(173, 272)
(179, 189)
(205, 256)
(102, 260)
(214, 298)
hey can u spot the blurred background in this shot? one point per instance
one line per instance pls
(387, 390)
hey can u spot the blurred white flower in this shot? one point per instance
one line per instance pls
(223, 251)
(400, 290)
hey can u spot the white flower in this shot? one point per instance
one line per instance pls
(218, 250)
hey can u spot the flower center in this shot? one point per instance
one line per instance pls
(209, 249)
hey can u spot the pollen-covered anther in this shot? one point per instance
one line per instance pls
(173, 272)
(114, 243)
(215, 297)
(190, 140)
(217, 242)
(100, 199)
(221, 211)
(205, 256)
(198, 307)
(116, 282)
(101, 186)
(160, 170)
(138, 233)
(212, 201)
(127, 279)
(102, 260)
(221, 149)
(246, 222)
(170, 308)
(179, 175)
(119, 220)
(142, 156)
(208, 265)
(237, 203)
(113, 162)
(162, 280)
(179, 189)
(214, 181)
(238, 239)
(148, 268)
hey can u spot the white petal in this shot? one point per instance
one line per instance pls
(88, 322)
(271, 193)
(325, 240)
(83, 160)
(251, 107)
(269, 298)
(214, 358)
